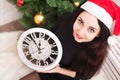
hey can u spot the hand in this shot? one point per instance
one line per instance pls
(60, 70)
(54, 70)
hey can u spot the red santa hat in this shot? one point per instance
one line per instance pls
(106, 11)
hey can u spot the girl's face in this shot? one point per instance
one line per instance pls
(85, 27)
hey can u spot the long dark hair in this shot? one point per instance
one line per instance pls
(91, 54)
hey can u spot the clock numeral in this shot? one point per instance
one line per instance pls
(46, 63)
(38, 63)
(28, 57)
(48, 39)
(49, 60)
(52, 59)
(54, 52)
(53, 45)
(25, 46)
(27, 40)
(53, 56)
(26, 53)
(42, 35)
(41, 63)
(31, 59)
(33, 35)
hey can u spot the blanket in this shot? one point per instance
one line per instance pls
(11, 66)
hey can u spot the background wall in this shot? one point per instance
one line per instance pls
(9, 13)
(117, 1)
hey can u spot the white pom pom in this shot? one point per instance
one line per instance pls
(112, 40)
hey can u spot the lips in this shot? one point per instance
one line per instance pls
(78, 36)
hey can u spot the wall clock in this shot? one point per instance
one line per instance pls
(39, 49)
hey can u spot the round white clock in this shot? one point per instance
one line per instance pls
(39, 49)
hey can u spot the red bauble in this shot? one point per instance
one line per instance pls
(20, 2)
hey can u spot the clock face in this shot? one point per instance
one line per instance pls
(39, 49)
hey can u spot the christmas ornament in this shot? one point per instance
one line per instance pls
(76, 3)
(38, 18)
(20, 3)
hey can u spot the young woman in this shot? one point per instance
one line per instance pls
(84, 40)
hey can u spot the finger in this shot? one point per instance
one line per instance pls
(44, 71)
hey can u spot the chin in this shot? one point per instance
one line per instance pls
(79, 41)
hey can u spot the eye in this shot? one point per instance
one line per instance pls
(91, 30)
(80, 21)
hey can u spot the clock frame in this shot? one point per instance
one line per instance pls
(39, 49)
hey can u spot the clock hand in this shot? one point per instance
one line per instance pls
(39, 51)
(39, 47)
(39, 44)
(35, 43)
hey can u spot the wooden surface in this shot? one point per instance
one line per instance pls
(13, 26)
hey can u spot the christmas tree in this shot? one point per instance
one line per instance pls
(44, 13)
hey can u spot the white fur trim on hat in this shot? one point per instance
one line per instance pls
(112, 40)
(99, 12)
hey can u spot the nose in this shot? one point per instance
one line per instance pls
(82, 32)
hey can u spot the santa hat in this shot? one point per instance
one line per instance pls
(106, 11)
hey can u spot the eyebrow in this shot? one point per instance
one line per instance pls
(84, 22)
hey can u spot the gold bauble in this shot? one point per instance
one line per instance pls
(38, 18)
(76, 3)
